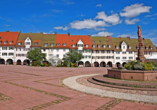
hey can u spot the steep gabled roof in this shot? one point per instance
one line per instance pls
(8, 36)
(61, 39)
(84, 38)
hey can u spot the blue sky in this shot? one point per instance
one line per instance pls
(80, 17)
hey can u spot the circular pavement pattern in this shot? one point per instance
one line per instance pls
(72, 83)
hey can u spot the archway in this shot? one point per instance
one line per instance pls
(26, 62)
(109, 64)
(18, 62)
(10, 61)
(80, 63)
(87, 64)
(123, 64)
(118, 64)
(2, 61)
(103, 64)
(96, 64)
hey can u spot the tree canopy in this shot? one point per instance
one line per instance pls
(36, 55)
(72, 56)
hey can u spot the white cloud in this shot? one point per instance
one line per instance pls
(7, 25)
(82, 15)
(135, 10)
(68, 2)
(153, 18)
(99, 29)
(61, 27)
(114, 18)
(87, 24)
(99, 5)
(57, 11)
(133, 21)
(151, 15)
(103, 34)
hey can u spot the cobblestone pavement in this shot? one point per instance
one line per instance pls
(40, 88)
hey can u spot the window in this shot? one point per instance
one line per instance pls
(4, 48)
(117, 52)
(57, 50)
(110, 51)
(22, 49)
(94, 51)
(36, 43)
(11, 42)
(146, 48)
(85, 51)
(64, 50)
(117, 47)
(130, 52)
(147, 53)
(0, 42)
(11, 48)
(22, 55)
(100, 41)
(129, 47)
(105, 51)
(104, 46)
(73, 45)
(117, 58)
(130, 58)
(44, 50)
(105, 57)
(27, 43)
(109, 46)
(123, 47)
(151, 48)
(99, 57)
(98, 46)
(93, 46)
(50, 55)
(64, 44)
(51, 50)
(86, 45)
(11, 54)
(80, 45)
(51, 44)
(19, 55)
(80, 51)
(45, 45)
(5, 42)
(19, 43)
(27, 49)
(124, 57)
(28, 39)
(58, 55)
(99, 51)
(123, 52)
(4, 54)
(18, 49)
(64, 56)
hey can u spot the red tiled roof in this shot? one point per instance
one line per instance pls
(9, 36)
(36, 41)
(62, 38)
(84, 38)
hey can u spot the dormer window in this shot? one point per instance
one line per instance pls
(27, 43)
(104, 46)
(93, 46)
(100, 41)
(146, 48)
(73, 45)
(129, 47)
(11, 42)
(51, 44)
(36, 43)
(64, 44)
(98, 46)
(137, 47)
(5, 42)
(19, 43)
(86, 45)
(123, 47)
(151, 48)
(117, 47)
(94, 41)
(58, 44)
(45, 45)
(109, 46)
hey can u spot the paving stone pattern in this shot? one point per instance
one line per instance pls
(39, 88)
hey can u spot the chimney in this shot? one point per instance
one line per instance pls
(128, 37)
(55, 33)
(89, 35)
(69, 34)
(7, 30)
(108, 36)
(143, 39)
(19, 31)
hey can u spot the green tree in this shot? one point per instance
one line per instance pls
(36, 55)
(72, 57)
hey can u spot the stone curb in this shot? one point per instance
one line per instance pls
(72, 83)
